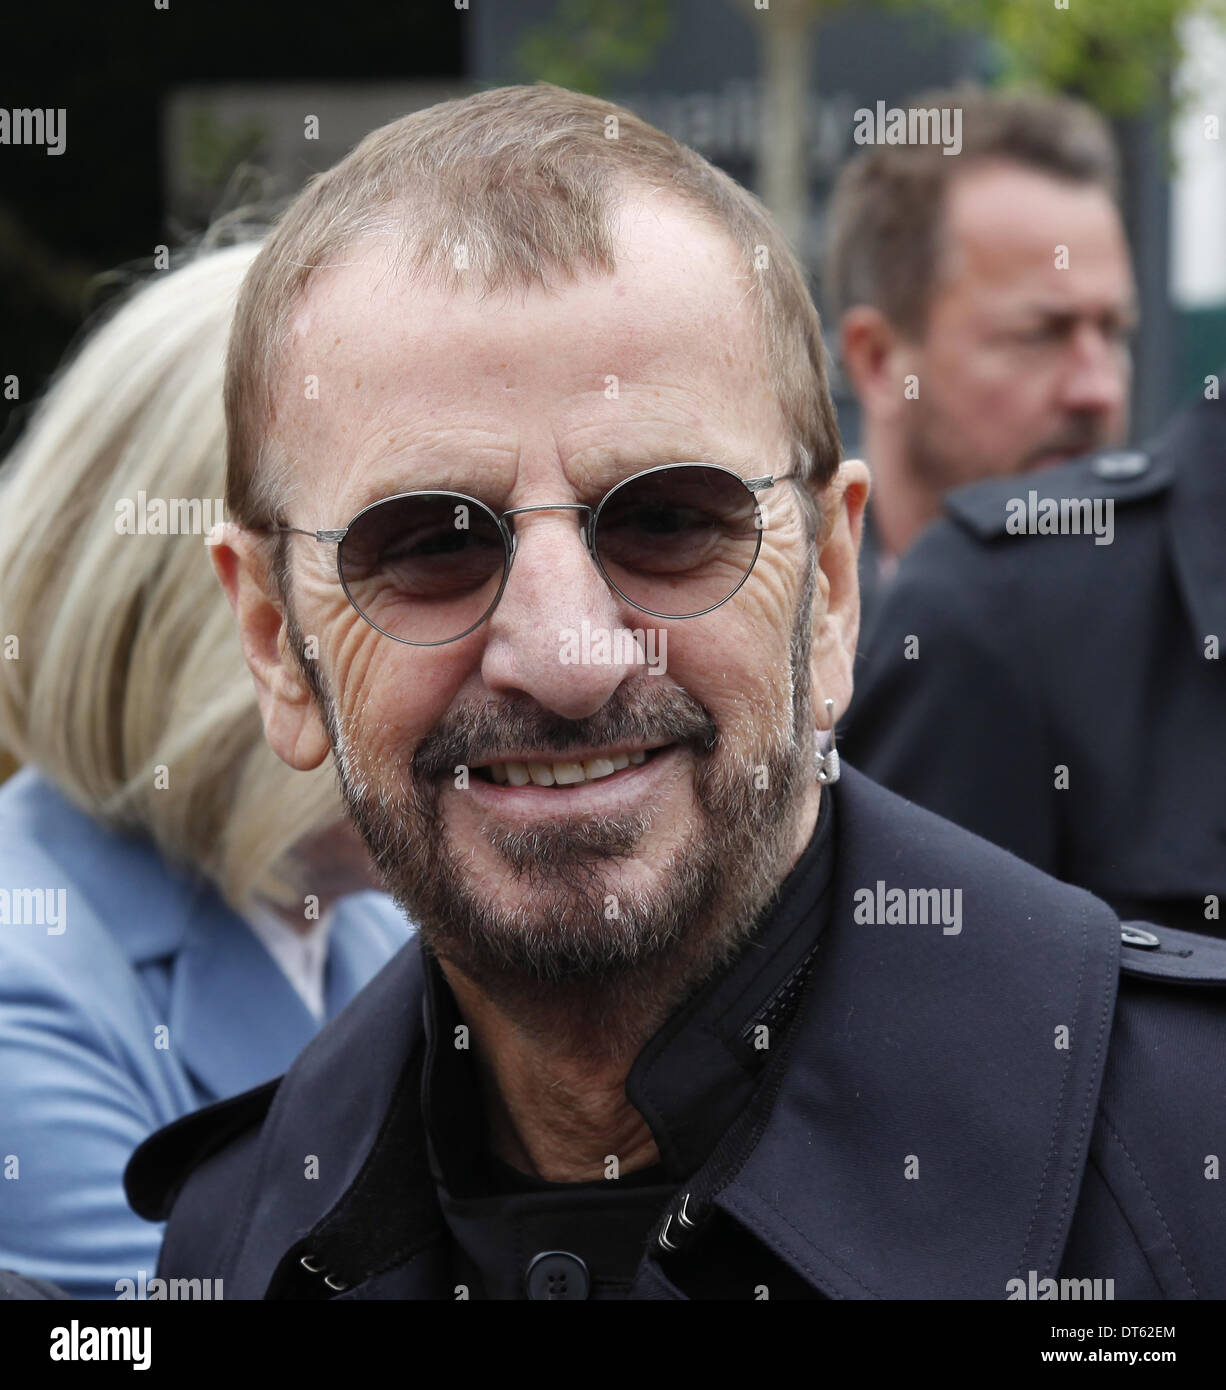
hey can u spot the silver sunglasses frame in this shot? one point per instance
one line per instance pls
(509, 540)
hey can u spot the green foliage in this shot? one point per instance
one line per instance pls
(588, 44)
(1116, 54)
(214, 149)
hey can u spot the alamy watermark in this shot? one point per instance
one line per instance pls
(35, 907)
(917, 125)
(618, 646)
(46, 126)
(170, 516)
(909, 907)
(154, 1290)
(1032, 1287)
(1033, 515)
(77, 1343)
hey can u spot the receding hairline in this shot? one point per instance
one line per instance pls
(994, 165)
(393, 245)
(412, 268)
(988, 165)
(524, 182)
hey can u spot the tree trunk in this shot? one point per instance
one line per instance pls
(783, 167)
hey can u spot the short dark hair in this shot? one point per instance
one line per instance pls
(883, 243)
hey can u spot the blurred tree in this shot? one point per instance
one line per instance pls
(785, 50)
(587, 44)
(215, 151)
(1116, 54)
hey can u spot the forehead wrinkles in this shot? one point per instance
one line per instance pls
(673, 270)
(386, 349)
(373, 327)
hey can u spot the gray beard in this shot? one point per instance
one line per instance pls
(580, 971)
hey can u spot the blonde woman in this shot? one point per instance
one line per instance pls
(174, 925)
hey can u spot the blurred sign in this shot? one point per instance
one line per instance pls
(225, 145)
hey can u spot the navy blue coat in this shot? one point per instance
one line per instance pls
(923, 1134)
(995, 659)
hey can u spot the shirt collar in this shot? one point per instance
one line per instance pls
(695, 1074)
(301, 952)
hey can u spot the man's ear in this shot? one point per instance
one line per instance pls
(292, 723)
(836, 604)
(870, 347)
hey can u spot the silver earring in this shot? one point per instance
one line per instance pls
(828, 769)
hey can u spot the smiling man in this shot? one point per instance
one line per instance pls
(518, 365)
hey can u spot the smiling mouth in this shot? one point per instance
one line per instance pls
(562, 772)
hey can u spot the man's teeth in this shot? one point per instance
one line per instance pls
(563, 774)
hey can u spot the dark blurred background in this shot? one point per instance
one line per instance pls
(176, 114)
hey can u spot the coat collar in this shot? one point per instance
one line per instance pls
(234, 1020)
(695, 1074)
(335, 1105)
(1196, 442)
(930, 1132)
(232, 1017)
(118, 878)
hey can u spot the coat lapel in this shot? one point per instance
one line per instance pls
(930, 1132)
(367, 931)
(330, 1107)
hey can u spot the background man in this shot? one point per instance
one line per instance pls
(1068, 699)
(984, 302)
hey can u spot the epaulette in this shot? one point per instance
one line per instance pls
(1124, 475)
(163, 1163)
(1152, 952)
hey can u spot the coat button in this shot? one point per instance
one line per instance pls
(557, 1274)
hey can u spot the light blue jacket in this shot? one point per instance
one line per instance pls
(130, 995)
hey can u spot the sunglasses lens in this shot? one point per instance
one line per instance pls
(678, 541)
(424, 568)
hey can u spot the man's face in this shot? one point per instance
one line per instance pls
(1024, 360)
(527, 399)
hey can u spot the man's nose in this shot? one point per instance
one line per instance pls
(537, 642)
(1095, 376)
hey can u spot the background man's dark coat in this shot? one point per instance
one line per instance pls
(1032, 653)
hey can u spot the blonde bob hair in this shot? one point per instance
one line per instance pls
(129, 689)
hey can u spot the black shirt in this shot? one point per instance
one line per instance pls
(691, 1080)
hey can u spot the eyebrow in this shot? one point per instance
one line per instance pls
(1128, 311)
(620, 465)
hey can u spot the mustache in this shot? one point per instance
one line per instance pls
(1080, 436)
(472, 734)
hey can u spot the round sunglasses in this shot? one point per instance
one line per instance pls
(428, 567)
